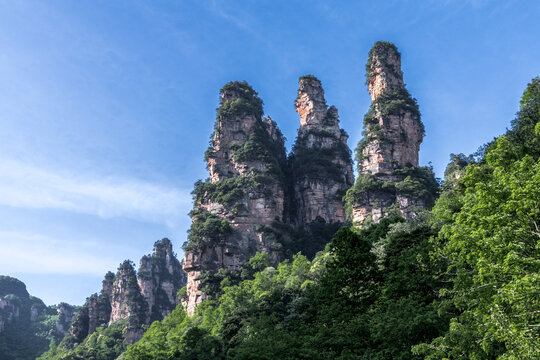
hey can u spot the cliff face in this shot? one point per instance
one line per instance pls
(127, 302)
(140, 298)
(257, 200)
(244, 193)
(320, 161)
(160, 277)
(94, 313)
(27, 325)
(65, 315)
(393, 130)
(389, 180)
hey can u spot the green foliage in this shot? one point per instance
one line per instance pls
(245, 100)
(317, 162)
(450, 199)
(338, 306)
(391, 102)
(262, 148)
(106, 343)
(10, 285)
(308, 77)
(491, 244)
(380, 49)
(205, 228)
(23, 337)
(308, 240)
(226, 191)
(417, 183)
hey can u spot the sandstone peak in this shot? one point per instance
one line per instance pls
(388, 155)
(238, 98)
(310, 103)
(163, 248)
(383, 69)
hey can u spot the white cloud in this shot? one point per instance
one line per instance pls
(27, 186)
(39, 254)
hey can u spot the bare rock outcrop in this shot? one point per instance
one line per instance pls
(65, 315)
(390, 180)
(160, 277)
(320, 162)
(94, 313)
(136, 298)
(245, 191)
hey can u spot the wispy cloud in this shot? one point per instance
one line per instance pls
(29, 186)
(40, 254)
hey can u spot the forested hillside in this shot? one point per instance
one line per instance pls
(27, 325)
(457, 282)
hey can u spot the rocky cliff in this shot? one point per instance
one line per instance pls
(160, 276)
(244, 194)
(320, 161)
(27, 325)
(389, 180)
(138, 298)
(257, 200)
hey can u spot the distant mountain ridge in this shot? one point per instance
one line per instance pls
(27, 325)
(128, 302)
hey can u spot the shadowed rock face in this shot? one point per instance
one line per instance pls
(127, 302)
(65, 315)
(160, 277)
(388, 154)
(320, 161)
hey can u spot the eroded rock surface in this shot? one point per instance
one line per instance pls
(245, 191)
(390, 180)
(160, 277)
(138, 298)
(321, 162)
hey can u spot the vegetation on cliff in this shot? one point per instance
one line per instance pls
(394, 102)
(460, 281)
(339, 305)
(417, 183)
(128, 302)
(319, 162)
(381, 49)
(27, 325)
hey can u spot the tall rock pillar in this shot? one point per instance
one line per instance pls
(390, 180)
(160, 277)
(244, 194)
(320, 161)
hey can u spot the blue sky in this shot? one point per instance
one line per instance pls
(106, 107)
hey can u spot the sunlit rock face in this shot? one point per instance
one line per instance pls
(390, 180)
(255, 197)
(393, 130)
(244, 193)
